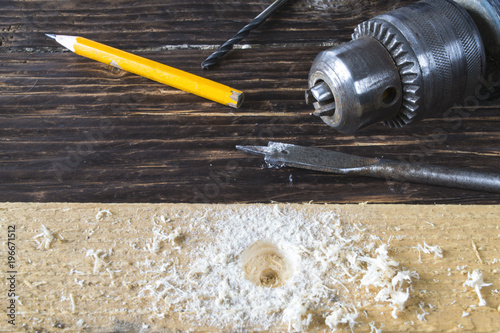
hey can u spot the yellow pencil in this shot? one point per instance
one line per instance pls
(152, 70)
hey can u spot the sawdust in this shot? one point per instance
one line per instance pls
(303, 259)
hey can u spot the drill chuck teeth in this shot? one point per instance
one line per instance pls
(406, 61)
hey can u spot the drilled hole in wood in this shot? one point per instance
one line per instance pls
(265, 265)
(268, 277)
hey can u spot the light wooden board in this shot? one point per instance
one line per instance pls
(75, 130)
(60, 289)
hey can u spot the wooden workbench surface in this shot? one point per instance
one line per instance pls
(179, 267)
(72, 129)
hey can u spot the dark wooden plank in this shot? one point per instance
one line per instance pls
(131, 24)
(75, 130)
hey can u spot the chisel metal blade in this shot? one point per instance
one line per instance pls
(278, 154)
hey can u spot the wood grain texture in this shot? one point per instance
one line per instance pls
(75, 130)
(60, 290)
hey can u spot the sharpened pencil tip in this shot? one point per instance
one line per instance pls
(51, 36)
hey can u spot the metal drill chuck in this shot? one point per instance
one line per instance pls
(400, 67)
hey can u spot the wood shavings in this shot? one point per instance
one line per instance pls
(374, 329)
(161, 235)
(48, 238)
(475, 280)
(340, 283)
(73, 305)
(112, 272)
(79, 282)
(421, 316)
(342, 315)
(381, 273)
(81, 323)
(296, 315)
(74, 271)
(307, 258)
(102, 214)
(98, 256)
(428, 249)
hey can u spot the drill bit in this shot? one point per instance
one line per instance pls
(228, 46)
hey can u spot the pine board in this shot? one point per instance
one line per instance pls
(73, 130)
(61, 291)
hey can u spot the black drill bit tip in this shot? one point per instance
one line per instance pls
(228, 46)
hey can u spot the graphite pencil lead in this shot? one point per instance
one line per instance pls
(53, 36)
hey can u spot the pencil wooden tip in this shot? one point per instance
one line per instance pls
(51, 36)
(237, 97)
